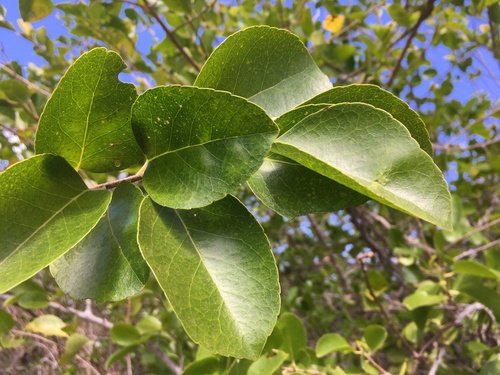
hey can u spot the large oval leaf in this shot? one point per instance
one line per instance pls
(218, 272)
(269, 66)
(291, 189)
(107, 264)
(367, 150)
(45, 209)
(201, 144)
(374, 95)
(87, 118)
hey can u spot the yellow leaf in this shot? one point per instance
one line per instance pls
(333, 23)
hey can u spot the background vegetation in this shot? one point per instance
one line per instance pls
(371, 290)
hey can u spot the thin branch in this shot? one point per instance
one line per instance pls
(113, 184)
(155, 348)
(16, 133)
(437, 362)
(171, 35)
(372, 361)
(190, 20)
(381, 308)
(21, 79)
(322, 238)
(472, 232)
(467, 127)
(477, 250)
(86, 364)
(86, 314)
(295, 370)
(426, 12)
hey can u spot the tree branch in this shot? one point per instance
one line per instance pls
(477, 250)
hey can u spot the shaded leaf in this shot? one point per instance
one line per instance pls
(125, 334)
(48, 325)
(44, 204)
(149, 324)
(35, 10)
(107, 264)
(294, 334)
(201, 144)
(92, 132)
(118, 355)
(375, 336)
(331, 343)
(269, 66)
(217, 270)
(365, 149)
(472, 267)
(379, 98)
(6, 322)
(33, 300)
(204, 366)
(74, 344)
(268, 365)
(474, 287)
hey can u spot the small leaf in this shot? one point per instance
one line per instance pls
(217, 271)
(206, 366)
(33, 300)
(474, 287)
(44, 204)
(35, 10)
(149, 324)
(119, 354)
(125, 334)
(201, 144)
(271, 67)
(6, 322)
(422, 298)
(107, 264)
(92, 132)
(48, 325)
(294, 334)
(268, 365)
(491, 368)
(9, 342)
(74, 344)
(374, 95)
(375, 336)
(472, 267)
(331, 343)
(367, 150)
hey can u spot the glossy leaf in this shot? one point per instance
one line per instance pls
(87, 118)
(375, 336)
(365, 149)
(35, 10)
(107, 264)
(269, 66)
(201, 144)
(217, 271)
(48, 325)
(379, 98)
(331, 343)
(45, 209)
(292, 189)
(294, 334)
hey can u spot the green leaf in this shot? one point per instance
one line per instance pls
(14, 90)
(149, 324)
(399, 14)
(375, 336)
(45, 209)
(218, 273)
(125, 334)
(491, 368)
(269, 66)
(379, 98)
(48, 325)
(292, 189)
(107, 264)
(422, 298)
(331, 343)
(294, 334)
(119, 354)
(367, 150)
(92, 132)
(74, 344)
(9, 342)
(178, 6)
(205, 366)
(34, 300)
(6, 322)
(474, 287)
(201, 144)
(35, 10)
(268, 365)
(471, 267)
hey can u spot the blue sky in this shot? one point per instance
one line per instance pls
(488, 82)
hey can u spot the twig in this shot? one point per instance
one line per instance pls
(437, 362)
(372, 361)
(322, 238)
(16, 133)
(295, 370)
(190, 20)
(171, 35)
(379, 305)
(20, 78)
(155, 348)
(426, 12)
(477, 250)
(472, 232)
(475, 122)
(87, 365)
(113, 184)
(86, 314)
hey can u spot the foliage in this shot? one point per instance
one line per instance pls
(377, 291)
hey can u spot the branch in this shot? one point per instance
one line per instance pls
(380, 307)
(149, 9)
(472, 232)
(155, 348)
(190, 20)
(372, 361)
(437, 362)
(426, 12)
(21, 79)
(477, 250)
(113, 184)
(322, 238)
